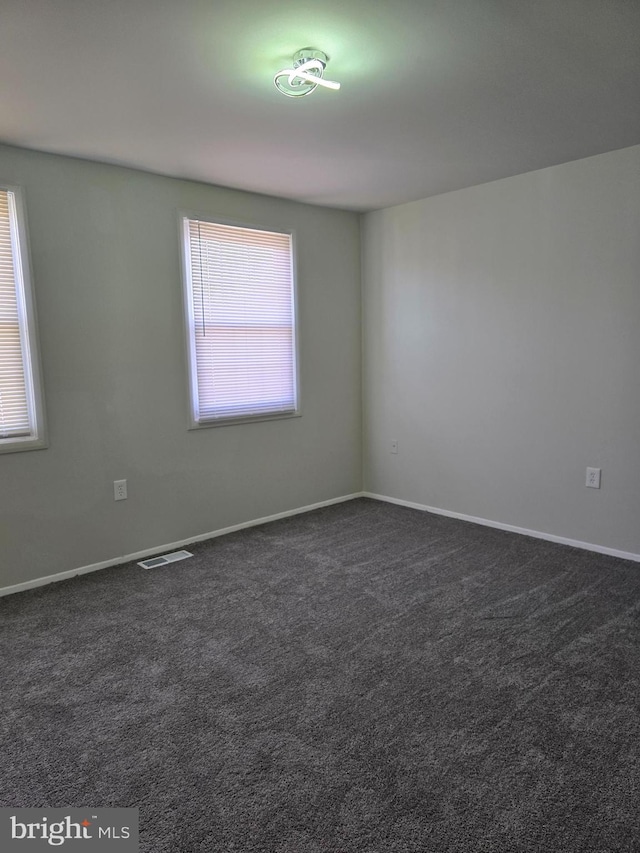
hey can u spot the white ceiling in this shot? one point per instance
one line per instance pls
(436, 94)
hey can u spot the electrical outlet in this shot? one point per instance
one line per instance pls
(119, 490)
(593, 478)
(394, 445)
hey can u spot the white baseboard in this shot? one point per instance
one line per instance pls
(169, 546)
(537, 534)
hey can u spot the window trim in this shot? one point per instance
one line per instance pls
(196, 423)
(30, 340)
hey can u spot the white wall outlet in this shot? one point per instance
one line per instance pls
(394, 445)
(119, 490)
(593, 478)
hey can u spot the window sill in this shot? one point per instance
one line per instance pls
(17, 445)
(243, 419)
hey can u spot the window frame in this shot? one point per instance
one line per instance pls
(197, 422)
(27, 316)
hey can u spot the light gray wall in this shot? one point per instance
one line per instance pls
(502, 350)
(106, 262)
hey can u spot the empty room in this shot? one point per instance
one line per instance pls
(320, 426)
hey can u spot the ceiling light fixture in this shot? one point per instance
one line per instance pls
(306, 74)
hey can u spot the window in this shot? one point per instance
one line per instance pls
(240, 314)
(21, 413)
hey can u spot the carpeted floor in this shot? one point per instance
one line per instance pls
(364, 678)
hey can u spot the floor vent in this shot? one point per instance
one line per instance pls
(155, 562)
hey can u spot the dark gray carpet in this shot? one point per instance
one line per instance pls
(362, 678)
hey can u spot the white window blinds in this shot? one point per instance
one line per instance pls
(241, 319)
(16, 404)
